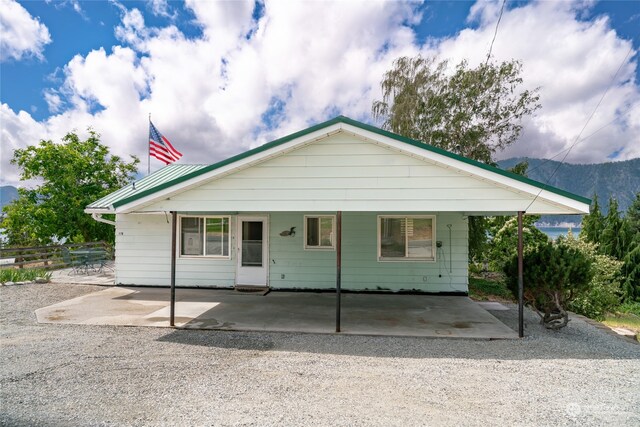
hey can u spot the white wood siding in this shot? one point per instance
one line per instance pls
(292, 267)
(344, 172)
(143, 256)
(143, 248)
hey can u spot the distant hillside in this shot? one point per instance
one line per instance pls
(618, 179)
(8, 194)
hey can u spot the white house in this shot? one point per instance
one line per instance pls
(339, 205)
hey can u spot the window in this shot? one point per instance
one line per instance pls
(204, 236)
(319, 232)
(406, 238)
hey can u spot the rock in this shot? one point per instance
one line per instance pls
(624, 331)
(9, 284)
(41, 280)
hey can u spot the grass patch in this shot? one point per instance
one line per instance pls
(23, 274)
(489, 289)
(626, 316)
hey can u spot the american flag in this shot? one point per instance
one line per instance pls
(160, 147)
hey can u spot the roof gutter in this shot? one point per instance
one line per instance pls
(98, 217)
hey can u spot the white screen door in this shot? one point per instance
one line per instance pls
(253, 250)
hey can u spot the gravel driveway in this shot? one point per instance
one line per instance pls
(59, 375)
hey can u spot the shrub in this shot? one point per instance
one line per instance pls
(554, 275)
(604, 291)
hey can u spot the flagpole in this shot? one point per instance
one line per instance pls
(149, 150)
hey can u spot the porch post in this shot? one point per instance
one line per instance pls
(520, 279)
(338, 266)
(172, 315)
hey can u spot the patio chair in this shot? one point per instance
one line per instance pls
(98, 260)
(75, 265)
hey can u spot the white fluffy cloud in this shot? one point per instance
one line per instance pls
(20, 34)
(573, 63)
(245, 81)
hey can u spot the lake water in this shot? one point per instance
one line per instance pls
(555, 232)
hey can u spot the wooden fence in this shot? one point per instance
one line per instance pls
(50, 257)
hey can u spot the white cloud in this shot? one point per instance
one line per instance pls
(53, 100)
(160, 8)
(21, 35)
(247, 81)
(573, 62)
(15, 130)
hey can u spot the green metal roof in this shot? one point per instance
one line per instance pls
(175, 174)
(148, 183)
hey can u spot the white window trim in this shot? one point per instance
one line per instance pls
(406, 259)
(333, 234)
(179, 231)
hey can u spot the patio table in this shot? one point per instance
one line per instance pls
(89, 259)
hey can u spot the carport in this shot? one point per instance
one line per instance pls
(306, 312)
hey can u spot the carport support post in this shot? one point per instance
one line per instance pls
(338, 266)
(172, 315)
(520, 279)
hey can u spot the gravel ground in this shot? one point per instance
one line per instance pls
(59, 375)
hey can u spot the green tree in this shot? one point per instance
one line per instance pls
(633, 215)
(556, 274)
(616, 235)
(631, 270)
(593, 224)
(70, 175)
(473, 112)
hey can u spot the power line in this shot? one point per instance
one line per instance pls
(495, 33)
(613, 79)
(583, 139)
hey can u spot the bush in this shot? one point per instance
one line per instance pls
(555, 274)
(604, 291)
(23, 274)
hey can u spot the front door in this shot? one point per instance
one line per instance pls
(253, 248)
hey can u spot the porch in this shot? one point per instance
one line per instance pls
(306, 312)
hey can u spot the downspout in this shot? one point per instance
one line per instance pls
(98, 217)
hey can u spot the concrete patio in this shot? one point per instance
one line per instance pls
(362, 314)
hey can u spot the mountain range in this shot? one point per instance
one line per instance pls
(620, 180)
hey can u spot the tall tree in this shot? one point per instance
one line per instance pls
(631, 267)
(593, 224)
(70, 175)
(473, 112)
(633, 214)
(631, 270)
(616, 235)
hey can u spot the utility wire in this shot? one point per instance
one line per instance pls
(613, 79)
(495, 33)
(583, 139)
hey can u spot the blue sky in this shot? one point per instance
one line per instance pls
(219, 78)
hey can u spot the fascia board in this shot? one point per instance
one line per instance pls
(99, 210)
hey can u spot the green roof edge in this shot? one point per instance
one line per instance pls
(364, 126)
